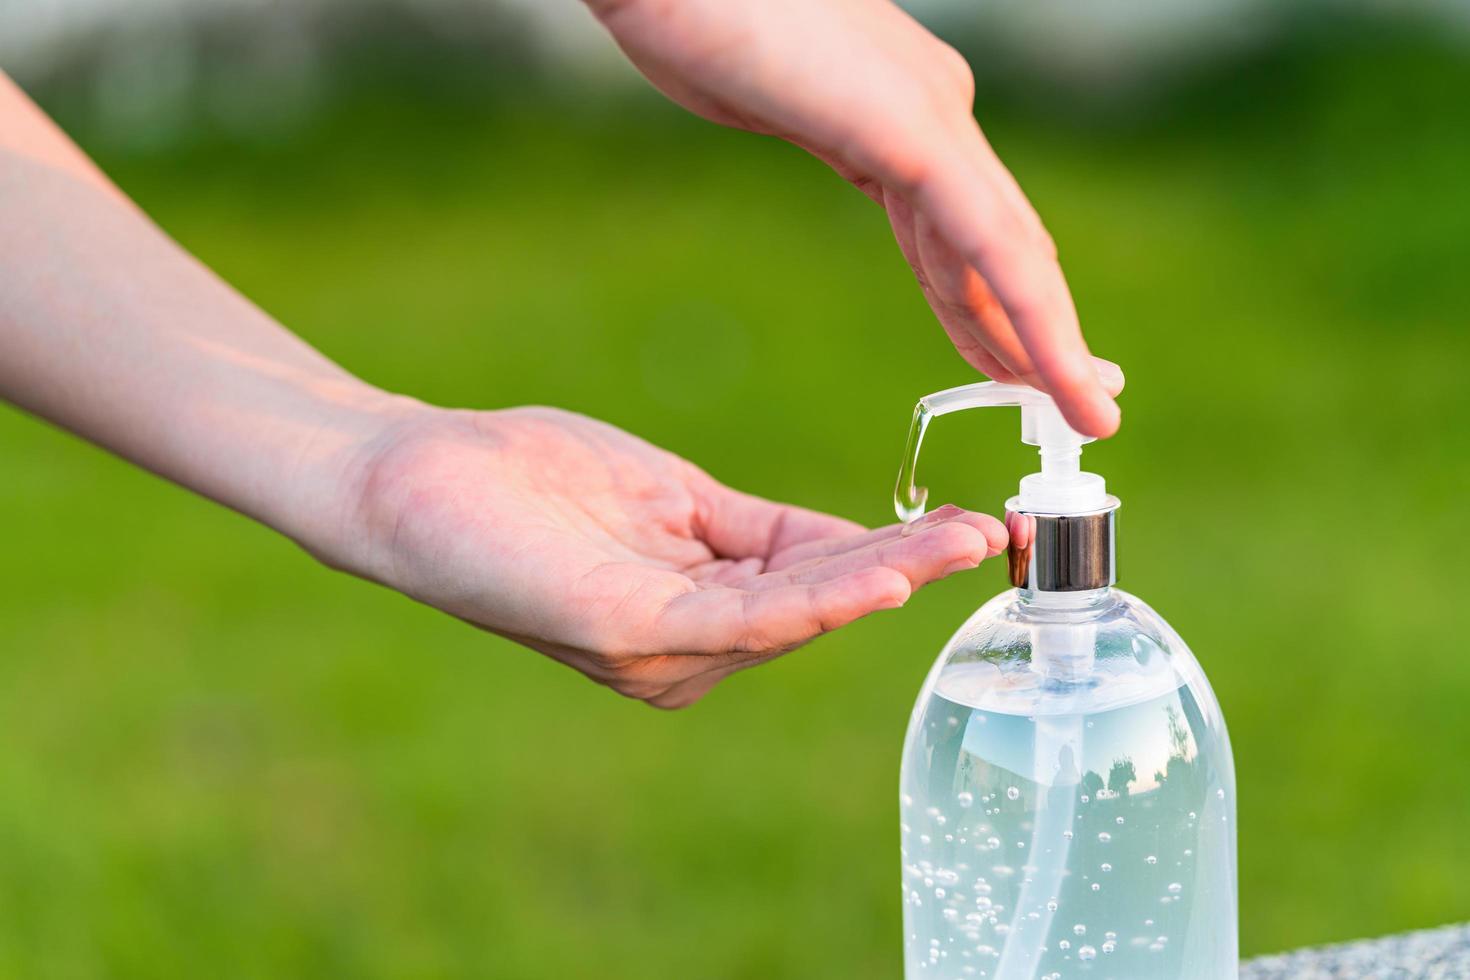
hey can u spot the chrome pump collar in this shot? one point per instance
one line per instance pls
(1062, 552)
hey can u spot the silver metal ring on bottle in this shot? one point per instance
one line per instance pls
(1062, 552)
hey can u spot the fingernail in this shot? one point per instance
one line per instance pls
(1110, 374)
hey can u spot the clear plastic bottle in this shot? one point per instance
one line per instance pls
(1067, 794)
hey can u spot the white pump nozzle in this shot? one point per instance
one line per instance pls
(1060, 488)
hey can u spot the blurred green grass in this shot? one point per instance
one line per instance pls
(217, 758)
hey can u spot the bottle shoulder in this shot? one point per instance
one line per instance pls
(1018, 656)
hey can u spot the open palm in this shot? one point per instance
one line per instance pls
(622, 560)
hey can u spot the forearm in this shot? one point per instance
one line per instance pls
(28, 132)
(109, 329)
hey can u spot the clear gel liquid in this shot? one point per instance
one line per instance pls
(908, 499)
(1038, 846)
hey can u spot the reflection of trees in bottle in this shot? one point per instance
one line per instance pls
(1184, 835)
(1120, 776)
(1182, 776)
(1134, 837)
(1180, 739)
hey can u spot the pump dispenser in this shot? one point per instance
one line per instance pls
(1067, 517)
(1068, 794)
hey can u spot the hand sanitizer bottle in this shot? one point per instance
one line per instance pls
(1067, 796)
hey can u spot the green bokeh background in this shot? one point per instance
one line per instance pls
(219, 759)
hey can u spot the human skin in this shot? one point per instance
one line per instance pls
(559, 532)
(863, 86)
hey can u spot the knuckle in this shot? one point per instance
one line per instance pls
(956, 72)
(899, 145)
(903, 164)
(1046, 244)
(754, 635)
(822, 620)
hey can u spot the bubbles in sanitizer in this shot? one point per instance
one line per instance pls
(1056, 848)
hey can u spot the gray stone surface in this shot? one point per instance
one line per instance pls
(1433, 954)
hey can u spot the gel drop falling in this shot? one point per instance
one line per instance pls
(909, 499)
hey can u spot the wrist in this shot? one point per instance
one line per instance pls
(320, 499)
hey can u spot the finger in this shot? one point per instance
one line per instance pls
(1021, 528)
(972, 201)
(838, 545)
(980, 347)
(984, 347)
(967, 308)
(966, 297)
(739, 525)
(738, 621)
(1110, 376)
(932, 553)
(970, 313)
